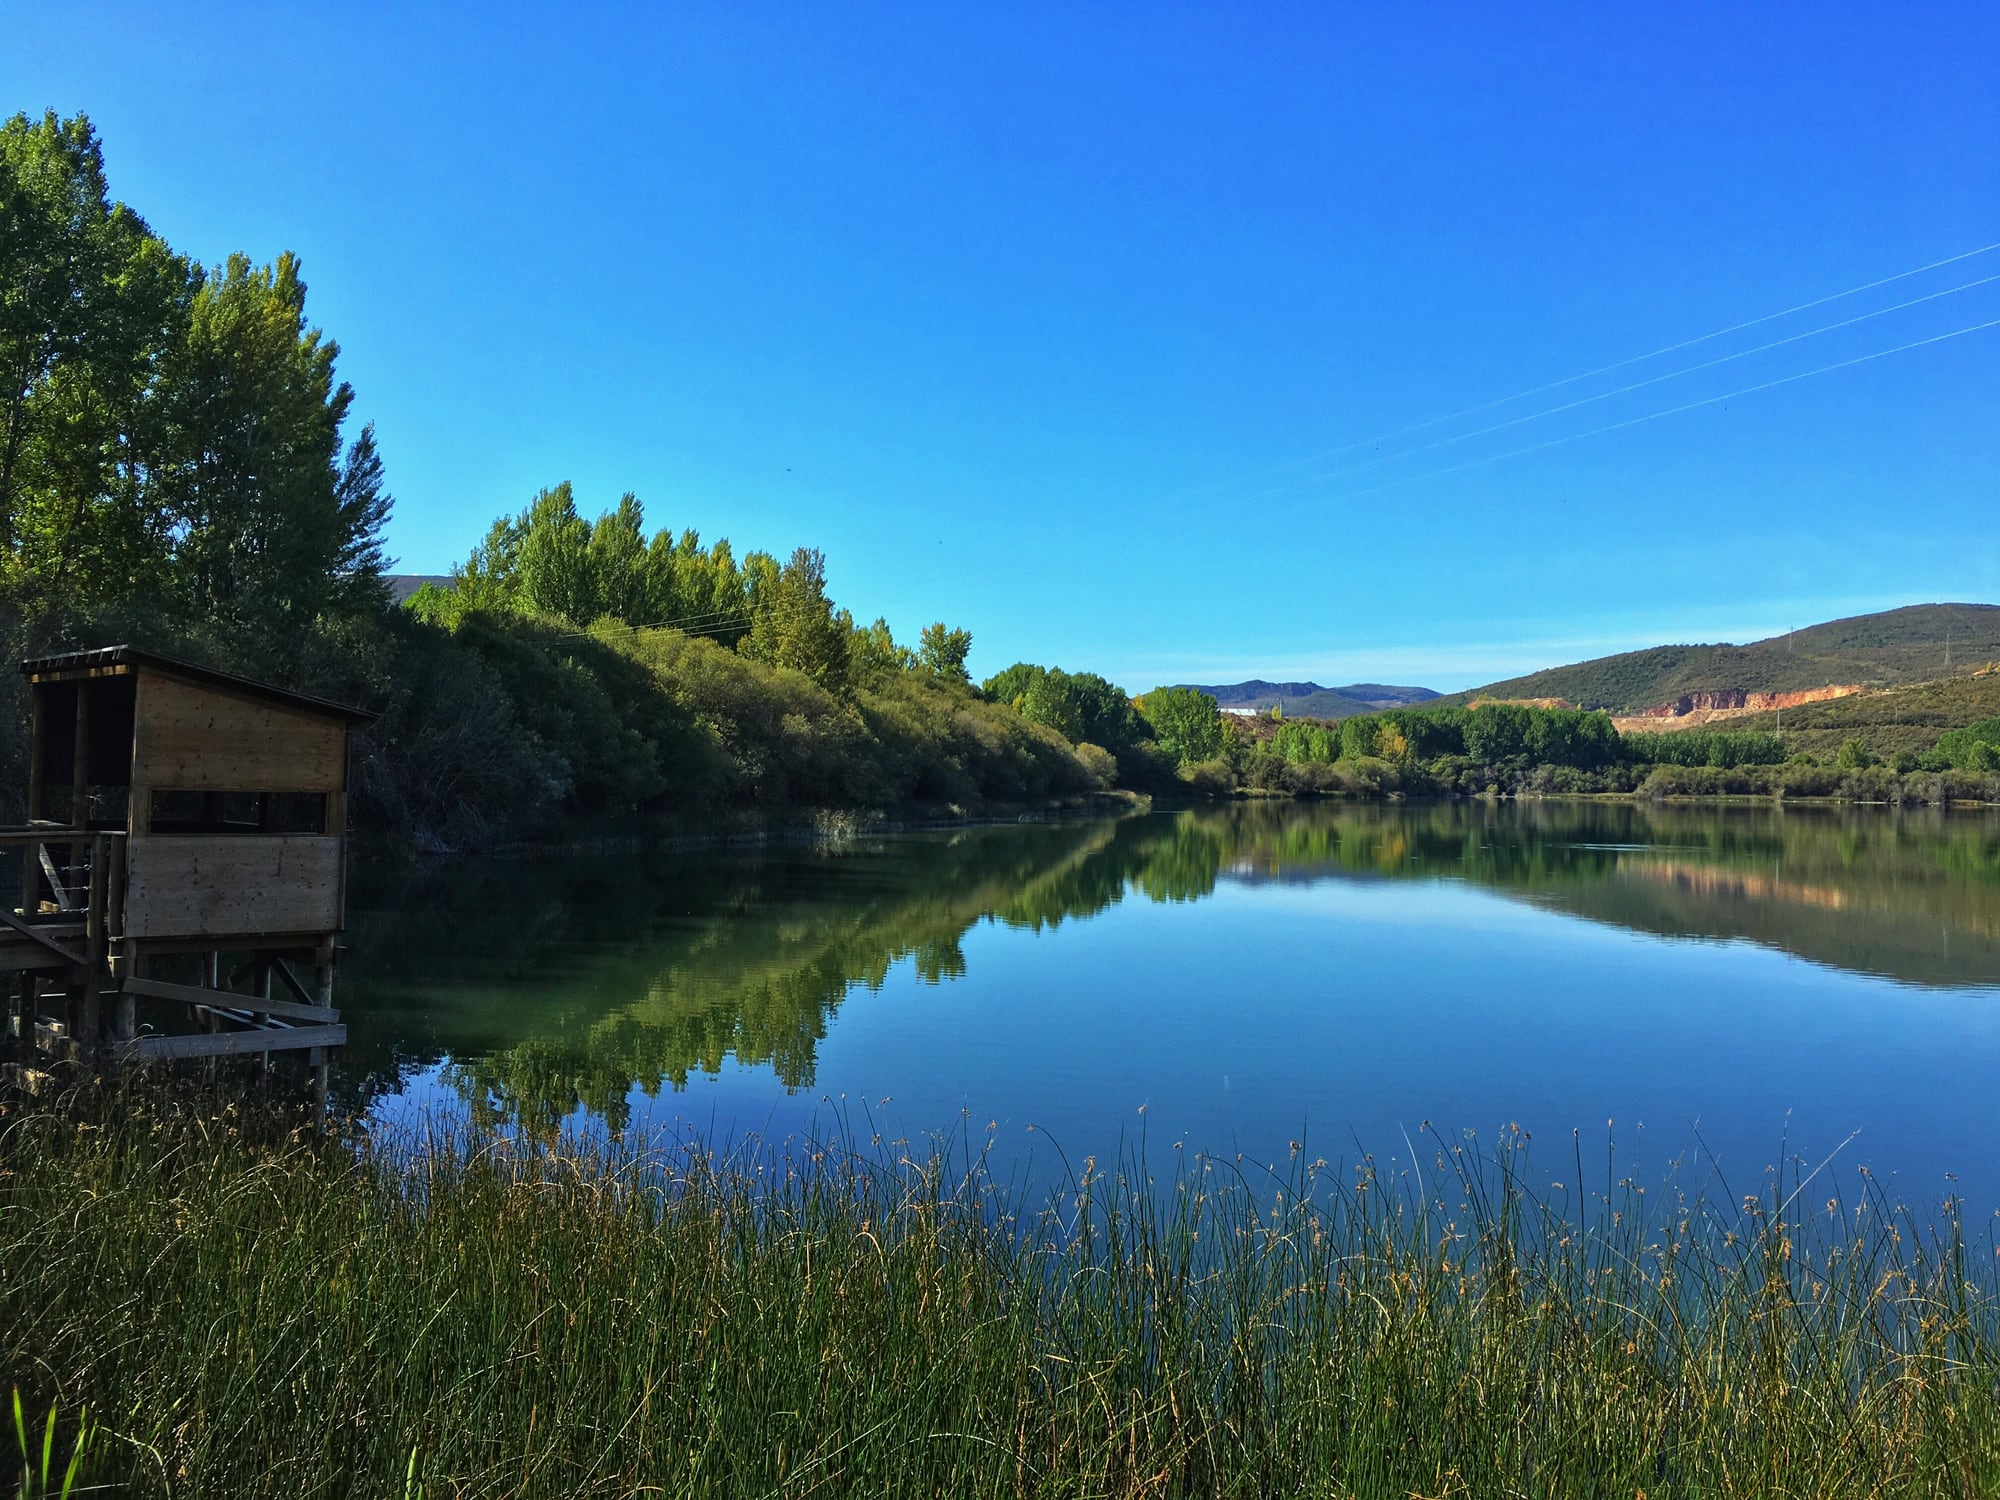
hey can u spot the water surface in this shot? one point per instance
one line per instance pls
(1756, 980)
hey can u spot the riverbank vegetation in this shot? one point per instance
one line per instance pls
(235, 1309)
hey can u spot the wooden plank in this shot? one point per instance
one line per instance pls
(63, 902)
(38, 935)
(38, 723)
(31, 869)
(193, 738)
(23, 959)
(79, 781)
(228, 1043)
(160, 989)
(283, 971)
(229, 885)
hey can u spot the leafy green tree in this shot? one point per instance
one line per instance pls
(1854, 756)
(874, 652)
(794, 624)
(617, 566)
(1358, 736)
(1079, 706)
(1497, 731)
(1973, 748)
(1186, 722)
(942, 651)
(90, 301)
(1009, 686)
(272, 522)
(1300, 743)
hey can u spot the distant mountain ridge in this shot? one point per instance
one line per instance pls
(1310, 700)
(1894, 647)
(402, 585)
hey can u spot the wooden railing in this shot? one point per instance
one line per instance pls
(70, 898)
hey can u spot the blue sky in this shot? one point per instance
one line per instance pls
(1054, 321)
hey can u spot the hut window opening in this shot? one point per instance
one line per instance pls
(226, 812)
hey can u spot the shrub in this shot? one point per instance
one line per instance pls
(1099, 762)
(1210, 778)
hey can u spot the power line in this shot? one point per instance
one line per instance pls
(1636, 385)
(1567, 380)
(1672, 411)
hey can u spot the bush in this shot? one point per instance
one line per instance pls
(1209, 778)
(1100, 762)
(1309, 779)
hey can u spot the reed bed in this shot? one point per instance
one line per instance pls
(236, 1308)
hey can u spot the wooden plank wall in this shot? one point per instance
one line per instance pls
(236, 886)
(192, 738)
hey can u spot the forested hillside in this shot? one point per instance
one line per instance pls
(1879, 650)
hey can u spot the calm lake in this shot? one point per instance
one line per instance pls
(1735, 984)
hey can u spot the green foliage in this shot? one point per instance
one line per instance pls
(1187, 723)
(794, 623)
(1008, 686)
(1079, 706)
(942, 652)
(549, 561)
(43, 1470)
(1358, 736)
(1100, 762)
(1301, 742)
(873, 653)
(1973, 748)
(171, 441)
(1854, 756)
(1703, 747)
(1209, 778)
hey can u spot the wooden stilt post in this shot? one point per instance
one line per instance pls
(323, 997)
(31, 862)
(264, 977)
(132, 966)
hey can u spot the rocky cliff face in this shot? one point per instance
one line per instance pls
(1738, 701)
(1691, 709)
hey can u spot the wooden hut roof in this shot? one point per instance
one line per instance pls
(71, 664)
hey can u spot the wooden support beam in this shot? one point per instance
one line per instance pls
(79, 772)
(31, 868)
(228, 1043)
(188, 994)
(56, 886)
(29, 930)
(284, 971)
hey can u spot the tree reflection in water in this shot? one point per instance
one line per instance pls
(561, 983)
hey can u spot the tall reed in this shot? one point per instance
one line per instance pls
(245, 1310)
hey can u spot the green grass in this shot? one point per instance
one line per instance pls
(245, 1311)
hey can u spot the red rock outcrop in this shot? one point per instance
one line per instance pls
(1736, 700)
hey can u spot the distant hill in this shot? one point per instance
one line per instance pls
(1881, 650)
(402, 585)
(1310, 700)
